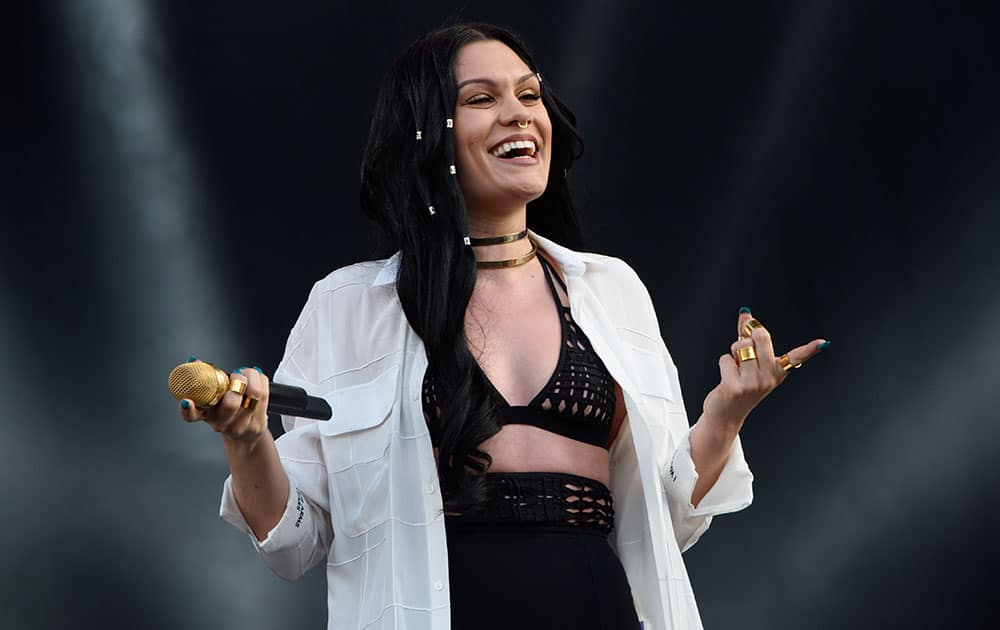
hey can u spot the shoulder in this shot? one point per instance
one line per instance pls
(622, 294)
(611, 277)
(356, 290)
(350, 319)
(352, 278)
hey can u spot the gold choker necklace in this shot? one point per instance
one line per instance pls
(510, 262)
(498, 240)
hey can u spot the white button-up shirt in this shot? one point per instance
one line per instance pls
(364, 489)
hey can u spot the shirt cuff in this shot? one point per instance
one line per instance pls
(732, 491)
(286, 533)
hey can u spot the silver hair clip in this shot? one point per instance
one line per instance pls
(539, 75)
(430, 209)
(449, 123)
(420, 136)
(467, 241)
(451, 169)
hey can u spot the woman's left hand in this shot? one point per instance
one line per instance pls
(745, 382)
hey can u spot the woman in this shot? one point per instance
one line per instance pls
(504, 406)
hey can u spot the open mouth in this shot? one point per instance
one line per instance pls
(518, 149)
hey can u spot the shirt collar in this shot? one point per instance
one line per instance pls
(572, 263)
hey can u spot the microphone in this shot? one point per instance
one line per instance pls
(206, 384)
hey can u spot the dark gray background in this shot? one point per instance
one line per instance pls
(175, 177)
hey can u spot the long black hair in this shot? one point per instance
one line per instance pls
(402, 176)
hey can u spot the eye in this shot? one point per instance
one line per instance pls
(531, 96)
(479, 100)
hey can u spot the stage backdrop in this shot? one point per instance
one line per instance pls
(176, 176)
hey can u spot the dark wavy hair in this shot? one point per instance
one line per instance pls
(401, 177)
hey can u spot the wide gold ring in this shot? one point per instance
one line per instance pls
(747, 353)
(250, 403)
(750, 325)
(786, 363)
(238, 386)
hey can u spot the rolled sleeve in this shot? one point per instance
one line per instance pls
(296, 543)
(732, 491)
(282, 535)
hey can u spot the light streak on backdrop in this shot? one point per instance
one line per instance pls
(155, 222)
(154, 213)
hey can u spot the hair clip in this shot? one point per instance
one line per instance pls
(467, 241)
(449, 123)
(451, 169)
(539, 75)
(430, 209)
(420, 136)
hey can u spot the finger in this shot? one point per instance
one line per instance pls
(765, 349)
(803, 353)
(255, 384)
(228, 407)
(743, 317)
(729, 370)
(745, 342)
(189, 412)
(254, 416)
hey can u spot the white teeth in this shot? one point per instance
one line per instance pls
(506, 147)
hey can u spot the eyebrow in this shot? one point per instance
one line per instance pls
(491, 82)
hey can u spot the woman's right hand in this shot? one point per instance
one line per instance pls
(228, 417)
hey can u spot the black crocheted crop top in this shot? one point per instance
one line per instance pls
(578, 401)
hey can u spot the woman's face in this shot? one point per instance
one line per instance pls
(496, 90)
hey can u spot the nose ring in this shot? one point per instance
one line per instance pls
(523, 124)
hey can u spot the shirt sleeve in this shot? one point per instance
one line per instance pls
(304, 534)
(732, 491)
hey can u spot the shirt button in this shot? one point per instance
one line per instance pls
(438, 585)
(430, 488)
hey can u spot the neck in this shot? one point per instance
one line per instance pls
(487, 226)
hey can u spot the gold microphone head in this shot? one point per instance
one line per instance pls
(198, 381)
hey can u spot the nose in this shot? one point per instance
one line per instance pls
(514, 114)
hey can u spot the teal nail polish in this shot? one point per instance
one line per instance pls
(823, 345)
(185, 404)
(191, 358)
(260, 371)
(744, 309)
(240, 370)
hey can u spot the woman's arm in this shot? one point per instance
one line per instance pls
(260, 484)
(711, 443)
(743, 384)
(258, 479)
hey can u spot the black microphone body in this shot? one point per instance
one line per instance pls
(293, 401)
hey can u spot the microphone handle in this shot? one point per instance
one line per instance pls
(293, 401)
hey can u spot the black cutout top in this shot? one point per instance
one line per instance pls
(577, 402)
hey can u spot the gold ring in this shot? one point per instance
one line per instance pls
(523, 124)
(786, 363)
(250, 403)
(750, 325)
(747, 353)
(238, 386)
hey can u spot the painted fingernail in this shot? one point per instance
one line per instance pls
(744, 309)
(823, 345)
(191, 358)
(260, 371)
(185, 404)
(240, 370)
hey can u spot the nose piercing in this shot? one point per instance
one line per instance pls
(523, 124)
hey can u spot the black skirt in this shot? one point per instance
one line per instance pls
(538, 557)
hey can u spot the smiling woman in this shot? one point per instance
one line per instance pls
(502, 130)
(509, 446)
